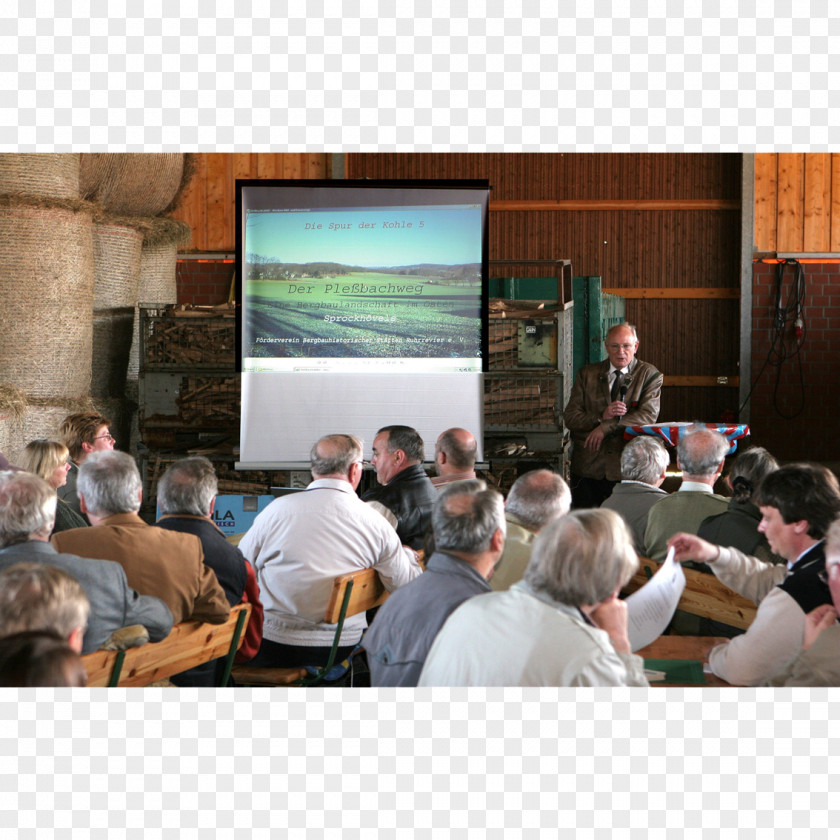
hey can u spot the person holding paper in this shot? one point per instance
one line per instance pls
(562, 625)
(798, 502)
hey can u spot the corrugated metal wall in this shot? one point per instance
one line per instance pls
(632, 248)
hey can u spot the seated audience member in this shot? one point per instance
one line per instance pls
(469, 527)
(299, 543)
(798, 502)
(162, 563)
(700, 456)
(643, 464)
(27, 508)
(562, 625)
(535, 499)
(737, 526)
(37, 659)
(6, 466)
(38, 597)
(82, 433)
(818, 663)
(186, 496)
(455, 452)
(48, 459)
(405, 488)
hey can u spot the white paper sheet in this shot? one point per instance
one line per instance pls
(651, 608)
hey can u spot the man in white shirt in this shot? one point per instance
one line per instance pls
(299, 543)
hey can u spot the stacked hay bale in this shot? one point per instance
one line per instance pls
(47, 287)
(82, 240)
(136, 254)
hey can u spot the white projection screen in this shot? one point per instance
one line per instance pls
(361, 304)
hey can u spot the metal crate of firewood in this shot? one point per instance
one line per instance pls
(527, 402)
(178, 337)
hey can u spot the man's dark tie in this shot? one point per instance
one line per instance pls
(614, 391)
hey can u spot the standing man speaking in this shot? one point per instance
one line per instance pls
(607, 397)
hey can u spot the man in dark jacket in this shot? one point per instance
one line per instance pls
(406, 489)
(186, 495)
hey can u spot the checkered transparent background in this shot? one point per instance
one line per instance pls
(433, 76)
(425, 76)
(352, 763)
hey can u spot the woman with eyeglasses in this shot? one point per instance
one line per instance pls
(50, 460)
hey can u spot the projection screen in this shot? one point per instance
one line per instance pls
(360, 304)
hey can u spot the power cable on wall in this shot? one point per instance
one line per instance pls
(788, 320)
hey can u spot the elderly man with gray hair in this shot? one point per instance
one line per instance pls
(299, 543)
(561, 625)
(700, 456)
(27, 512)
(167, 565)
(469, 529)
(643, 464)
(38, 597)
(186, 496)
(535, 499)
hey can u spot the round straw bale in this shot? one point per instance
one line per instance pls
(43, 175)
(132, 184)
(46, 285)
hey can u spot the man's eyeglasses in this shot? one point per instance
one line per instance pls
(105, 437)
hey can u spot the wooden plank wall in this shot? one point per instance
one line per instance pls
(797, 203)
(645, 242)
(208, 204)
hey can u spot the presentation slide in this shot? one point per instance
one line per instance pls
(360, 305)
(370, 289)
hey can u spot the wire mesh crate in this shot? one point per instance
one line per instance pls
(528, 402)
(175, 338)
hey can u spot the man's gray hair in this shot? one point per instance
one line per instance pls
(466, 515)
(333, 454)
(700, 451)
(110, 482)
(537, 498)
(582, 558)
(644, 459)
(832, 538)
(188, 487)
(36, 596)
(27, 507)
(622, 326)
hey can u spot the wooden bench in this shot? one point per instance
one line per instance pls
(351, 594)
(189, 644)
(704, 595)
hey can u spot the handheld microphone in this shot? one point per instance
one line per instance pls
(622, 392)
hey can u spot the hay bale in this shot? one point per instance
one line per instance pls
(132, 184)
(117, 252)
(41, 419)
(46, 285)
(40, 175)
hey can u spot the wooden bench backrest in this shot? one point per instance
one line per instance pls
(189, 644)
(368, 592)
(704, 595)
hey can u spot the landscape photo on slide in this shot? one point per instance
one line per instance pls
(366, 283)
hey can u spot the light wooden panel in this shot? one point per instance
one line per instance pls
(797, 203)
(835, 203)
(208, 204)
(766, 185)
(791, 202)
(817, 200)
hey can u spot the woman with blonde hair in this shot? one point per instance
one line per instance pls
(49, 459)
